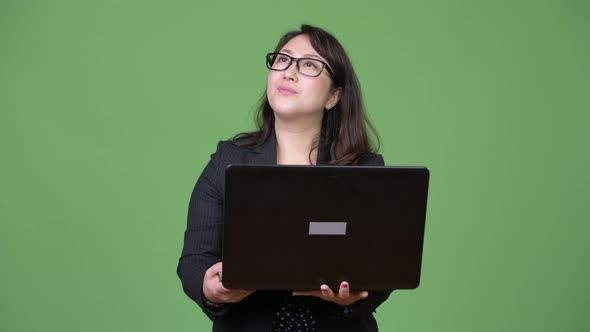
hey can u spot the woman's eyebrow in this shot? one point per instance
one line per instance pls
(312, 56)
(306, 55)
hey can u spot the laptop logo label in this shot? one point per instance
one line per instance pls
(327, 228)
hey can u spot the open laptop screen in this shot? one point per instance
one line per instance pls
(297, 227)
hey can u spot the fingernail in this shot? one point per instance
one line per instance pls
(344, 285)
(324, 287)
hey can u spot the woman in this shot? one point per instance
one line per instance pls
(311, 113)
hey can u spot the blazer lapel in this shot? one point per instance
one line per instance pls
(265, 153)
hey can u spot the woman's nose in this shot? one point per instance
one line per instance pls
(291, 71)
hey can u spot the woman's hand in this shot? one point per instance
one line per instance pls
(344, 297)
(215, 292)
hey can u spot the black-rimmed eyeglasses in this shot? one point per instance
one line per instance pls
(306, 66)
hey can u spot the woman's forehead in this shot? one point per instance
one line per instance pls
(300, 46)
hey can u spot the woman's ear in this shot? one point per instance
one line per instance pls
(334, 98)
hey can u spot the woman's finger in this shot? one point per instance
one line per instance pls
(326, 291)
(215, 268)
(344, 290)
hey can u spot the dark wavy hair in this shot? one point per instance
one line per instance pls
(344, 137)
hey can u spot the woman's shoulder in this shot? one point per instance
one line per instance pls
(237, 149)
(370, 159)
(230, 149)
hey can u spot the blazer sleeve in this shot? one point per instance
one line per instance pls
(368, 305)
(203, 235)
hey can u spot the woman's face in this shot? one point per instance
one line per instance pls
(292, 94)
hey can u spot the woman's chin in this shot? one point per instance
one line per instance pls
(290, 113)
(286, 113)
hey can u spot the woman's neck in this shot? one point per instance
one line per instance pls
(295, 141)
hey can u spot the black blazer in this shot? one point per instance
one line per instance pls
(203, 248)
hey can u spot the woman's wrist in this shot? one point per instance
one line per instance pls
(212, 304)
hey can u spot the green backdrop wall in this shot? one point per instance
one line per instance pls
(109, 110)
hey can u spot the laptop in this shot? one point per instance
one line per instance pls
(298, 227)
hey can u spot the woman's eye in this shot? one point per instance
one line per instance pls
(309, 64)
(281, 58)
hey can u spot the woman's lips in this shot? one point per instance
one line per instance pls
(287, 91)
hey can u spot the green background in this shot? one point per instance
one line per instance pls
(109, 111)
